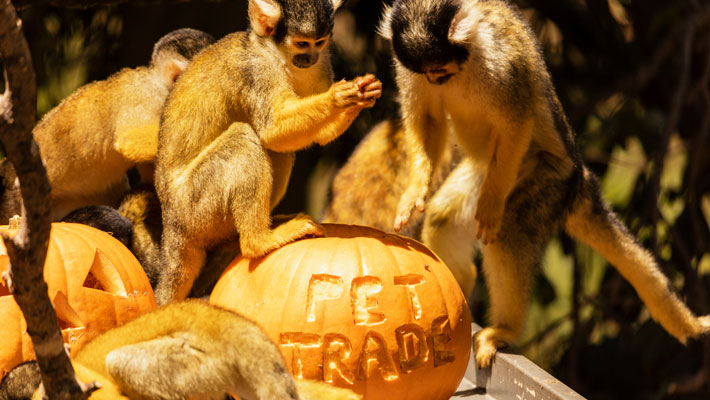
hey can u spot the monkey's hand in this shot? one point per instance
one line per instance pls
(349, 98)
(345, 94)
(361, 92)
(412, 198)
(370, 90)
(489, 214)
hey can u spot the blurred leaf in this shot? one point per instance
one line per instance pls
(672, 180)
(625, 166)
(704, 265)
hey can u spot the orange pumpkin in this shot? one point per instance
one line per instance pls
(362, 309)
(94, 282)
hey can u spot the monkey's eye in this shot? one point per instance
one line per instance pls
(301, 44)
(320, 43)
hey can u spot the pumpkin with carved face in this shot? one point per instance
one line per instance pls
(94, 282)
(359, 308)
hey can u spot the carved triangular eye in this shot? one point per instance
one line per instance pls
(104, 276)
(4, 290)
(68, 318)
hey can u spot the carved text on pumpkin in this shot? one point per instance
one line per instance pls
(414, 350)
(363, 295)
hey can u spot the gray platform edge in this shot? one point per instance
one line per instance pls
(512, 376)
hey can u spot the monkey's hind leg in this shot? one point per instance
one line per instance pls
(532, 215)
(508, 273)
(592, 222)
(252, 195)
(182, 262)
(449, 224)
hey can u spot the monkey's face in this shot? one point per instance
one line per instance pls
(305, 51)
(422, 36)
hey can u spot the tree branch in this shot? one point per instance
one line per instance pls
(28, 248)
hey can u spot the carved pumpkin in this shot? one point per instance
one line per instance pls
(94, 282)
(362, 309)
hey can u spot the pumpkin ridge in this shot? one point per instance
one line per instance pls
(293, 272)
(398, 271)
(434, 273)
(338, 243)
(58, 275)
(363, 270)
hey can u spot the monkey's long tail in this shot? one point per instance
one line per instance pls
(592, 221)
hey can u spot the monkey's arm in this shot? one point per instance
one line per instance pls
(425, 134)
(299, 122)
(138, 143)
(511, 140)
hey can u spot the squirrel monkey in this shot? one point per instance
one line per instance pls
(95, 135)
(474, 67)
(229, 130)
(189, 350)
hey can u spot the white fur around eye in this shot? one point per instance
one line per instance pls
(337, 4)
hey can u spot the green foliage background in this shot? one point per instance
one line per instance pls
(634, 77)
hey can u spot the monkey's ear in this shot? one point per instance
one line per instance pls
(385, 27)
(171, 70)
(263, 16)
(464, 23)
(337, 4)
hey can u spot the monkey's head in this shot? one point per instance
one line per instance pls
(429, 36)
(172, 52)
(301, 29)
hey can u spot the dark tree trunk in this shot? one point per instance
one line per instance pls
(28, 248)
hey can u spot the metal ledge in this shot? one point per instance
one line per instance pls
(512, 376)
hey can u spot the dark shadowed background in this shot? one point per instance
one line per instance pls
(634, 78)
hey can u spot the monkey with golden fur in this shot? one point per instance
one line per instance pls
(230, 129)
(474, 68)
(95, 135)
(190, 350)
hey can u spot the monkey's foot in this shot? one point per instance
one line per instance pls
(488, 341)
(298, 227)
(411, 199)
